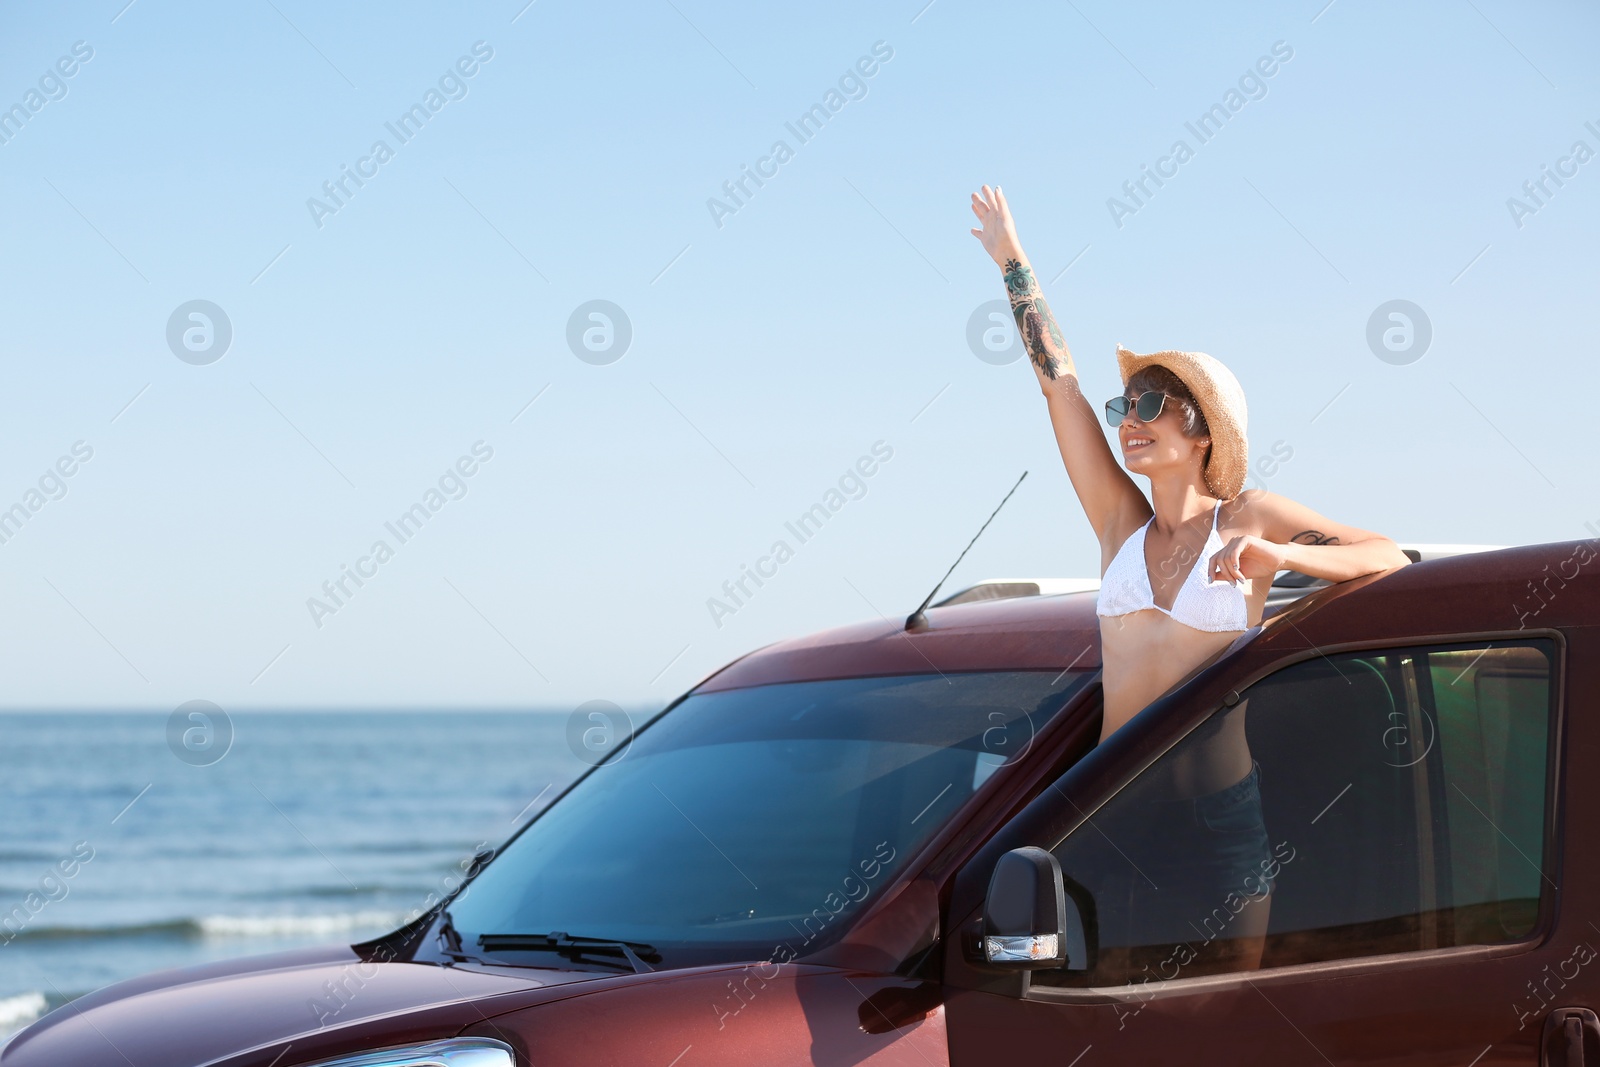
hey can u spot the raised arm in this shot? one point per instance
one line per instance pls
(1109, 496)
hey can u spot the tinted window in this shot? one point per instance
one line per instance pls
(1394, 802)
(754, 817)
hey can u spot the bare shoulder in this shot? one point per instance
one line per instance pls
(1251, 512)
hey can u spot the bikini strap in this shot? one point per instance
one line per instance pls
(1214, 512)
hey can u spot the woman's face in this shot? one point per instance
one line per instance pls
(1159, 445)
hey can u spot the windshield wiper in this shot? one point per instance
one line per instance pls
(450, 940)
(572, 947)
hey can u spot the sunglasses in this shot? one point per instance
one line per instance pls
(1147, 406)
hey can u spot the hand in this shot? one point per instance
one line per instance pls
(1249, 557)
(998, 233)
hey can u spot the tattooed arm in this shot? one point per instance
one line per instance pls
(1047, 349)
(1294, 537)
(1110, 499)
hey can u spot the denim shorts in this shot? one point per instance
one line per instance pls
(1217, 841)
(1186, 858)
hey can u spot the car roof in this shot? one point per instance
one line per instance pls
(1454, 592)
(999, 588)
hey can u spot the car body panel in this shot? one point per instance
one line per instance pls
(321, 1001)
(779, 1014)
(1024, 633)
(1484, 1004)
(846, 1004)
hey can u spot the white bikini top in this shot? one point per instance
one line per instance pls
(1201, 603)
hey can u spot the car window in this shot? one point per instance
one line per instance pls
(749, 819)
(1394, 801)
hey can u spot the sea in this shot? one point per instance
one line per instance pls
(130, 843)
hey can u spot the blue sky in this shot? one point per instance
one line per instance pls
(771, 348)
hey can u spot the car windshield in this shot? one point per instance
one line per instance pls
(747, 818)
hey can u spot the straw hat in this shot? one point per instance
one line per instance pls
(1221, 401)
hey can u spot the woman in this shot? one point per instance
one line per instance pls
(1186, 572)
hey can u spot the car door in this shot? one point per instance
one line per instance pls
(1381, 887)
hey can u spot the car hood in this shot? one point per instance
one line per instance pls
(298, 1005)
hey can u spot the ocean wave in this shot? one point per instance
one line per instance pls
(410, 848)
(406, 891)
(228, 926)
(16, 1012)
(299, 925)
(29, 855)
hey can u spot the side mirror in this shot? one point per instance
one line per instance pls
(1029, 921)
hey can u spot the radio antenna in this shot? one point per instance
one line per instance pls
(917, 620)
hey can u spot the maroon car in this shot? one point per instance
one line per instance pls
(888, 845)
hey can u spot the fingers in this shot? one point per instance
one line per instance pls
(1236, 560)
(1219, 562)
(1226, 562)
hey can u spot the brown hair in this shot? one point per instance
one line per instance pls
(1158, 379)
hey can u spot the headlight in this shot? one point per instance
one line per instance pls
(451, 1052)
